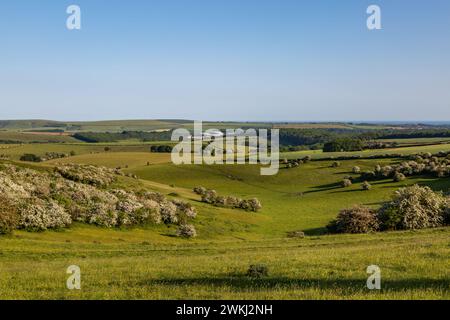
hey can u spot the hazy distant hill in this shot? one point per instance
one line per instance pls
(75, 126)
(159, 124)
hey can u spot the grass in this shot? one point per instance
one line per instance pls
(34, 137)
(418, 141)
(14, 151)
(148, 262)
(305, 198)
(129, 265)
(318, 154)
(117, 159)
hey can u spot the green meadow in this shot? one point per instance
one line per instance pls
(149, 262)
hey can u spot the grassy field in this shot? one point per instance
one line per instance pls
(417, 141)
(405, 150)
(34, 137)
(149, 262)
(133, 264)
(116, 159)
(305, 198)
(15, 151)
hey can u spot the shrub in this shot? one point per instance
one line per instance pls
(399, 177)
(335, 164)
(254, 205)
(161, 148)
(102, 215)
(413, 207)
(168, 212)
(47, 200)
(220, 201)
(30, 157)
(258, 271)
(185, 211)
(232, 202)
(346, 183)
(155, 196)
(40, 215)
(186, 231)
(356, 169)
(244, 204)
(343, 144)
(9, 218)
(369, 175)
(209, 196)
(97, 176)
(366, 186)
(199, 190)
(447, 214)
(358, 219)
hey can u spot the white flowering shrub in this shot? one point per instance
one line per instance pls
(199, 190)
(45, 200)
(154, 196)
(9, 218)
(97, 176)
(102, 215)
(185, 211)
(211, 197)
(366, 186)
(150, 212)
(356, 169)
(168, 211)
(437, 165)
(447, 212)
(346, 183)
(186, 231)
(254, 205)
(413, 207)
(40, 215)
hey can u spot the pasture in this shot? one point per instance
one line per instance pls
(149, 262)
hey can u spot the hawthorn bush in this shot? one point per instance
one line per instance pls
(211, 197)
(366, 186)
(49, 200)
(335, 164)
(413, 207)
(346, 183)
(447, 213)
(186, 231)
(9, 218)
(399, 177)
(358, 219)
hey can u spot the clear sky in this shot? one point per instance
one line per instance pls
(287, 60)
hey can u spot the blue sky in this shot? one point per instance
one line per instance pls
(286, 60)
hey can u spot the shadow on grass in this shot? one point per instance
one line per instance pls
(349, 190)
(244, 282)
(325, 187)
(315, 231)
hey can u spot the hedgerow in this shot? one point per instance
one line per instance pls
(211, 197)
(413, 207)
